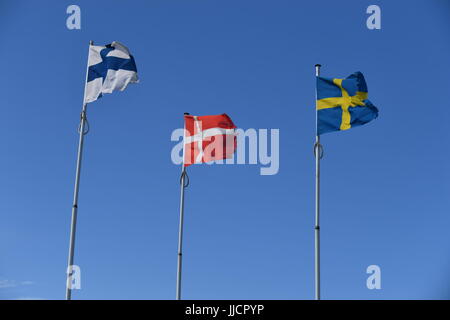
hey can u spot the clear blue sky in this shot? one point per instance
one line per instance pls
(384, 185)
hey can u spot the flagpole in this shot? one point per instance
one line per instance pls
(180, 231)
(318, 152)
(73, 225)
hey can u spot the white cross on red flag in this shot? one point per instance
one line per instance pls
(208, 138)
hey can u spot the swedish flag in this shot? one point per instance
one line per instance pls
(342, 103)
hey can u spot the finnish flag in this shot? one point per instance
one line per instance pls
(110, 68)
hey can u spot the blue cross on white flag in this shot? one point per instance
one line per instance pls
(110, 68)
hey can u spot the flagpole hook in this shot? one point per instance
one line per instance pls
(318, 146)
(186, 180)
(83, 117)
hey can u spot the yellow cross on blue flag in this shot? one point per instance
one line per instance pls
(342, 103)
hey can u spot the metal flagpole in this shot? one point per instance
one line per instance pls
(180, 231)
(73, 226)
(318, 153)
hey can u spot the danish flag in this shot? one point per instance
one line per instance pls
(208, 138)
